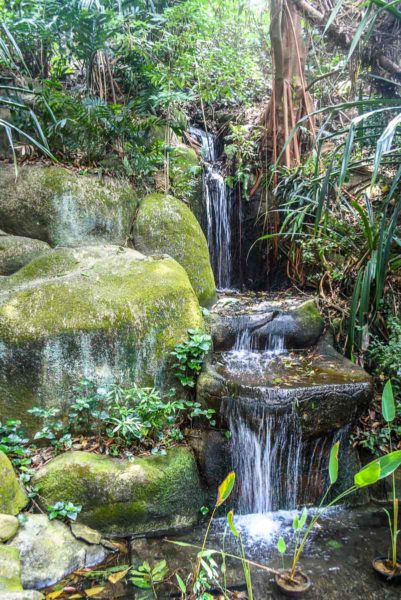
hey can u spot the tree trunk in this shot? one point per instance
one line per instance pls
(290, 100)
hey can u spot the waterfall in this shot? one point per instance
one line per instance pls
(218, 208)
(266, 456)
(276, 467)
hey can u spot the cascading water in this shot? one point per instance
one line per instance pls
(218, 208)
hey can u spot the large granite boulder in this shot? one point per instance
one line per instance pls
(103, 313)
(16, 251)
(13, 497)
(165, 224)
(49, 552)
(120, 497)
(61, 207)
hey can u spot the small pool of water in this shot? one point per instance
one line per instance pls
(337, 557)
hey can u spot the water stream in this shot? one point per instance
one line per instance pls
(218, 210)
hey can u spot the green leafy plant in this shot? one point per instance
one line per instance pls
(148, 577)
(63, 511)
(190, 356)
(125, 417)
(389, 413)
(245, 564)
(371, 473)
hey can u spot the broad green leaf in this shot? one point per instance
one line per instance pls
(181, 584)
(230, 522)
(333, 463)
(368, 475)
(388, 405)
(225, 488)
(389, 463)
(295, 523)
(281, 545)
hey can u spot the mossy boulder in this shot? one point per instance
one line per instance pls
(13, 497)
(10, 570)
(186, 178)
(49, 552)
(121, 497)
(16, 251)
(100, 312)
(62, 207)
(8, 527)
(166, 224)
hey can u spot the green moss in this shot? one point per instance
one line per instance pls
(61, 207)
(17, 251)
(94, 289)
(122, 497)
(12, 496)
(165, 224)
(10, 570)
(186, 178)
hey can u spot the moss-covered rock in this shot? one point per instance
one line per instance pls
(121, 497)
(49, 552)
(61, 207)
(8, 527)
(186, 178)
(16, 251)
(165, 224)
(99, 312)
(10, 570)
(13, 497)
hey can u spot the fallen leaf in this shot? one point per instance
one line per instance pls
(94, 591)
(117, 576)
(54, 595)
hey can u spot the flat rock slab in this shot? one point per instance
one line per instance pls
(296, 320)
(326, 389)
(48, 552)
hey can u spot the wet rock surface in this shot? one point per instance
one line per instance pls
(48, 552)
(59, 206)
(10, 570)
(262, 316)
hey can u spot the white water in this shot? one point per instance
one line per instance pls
(218, 207)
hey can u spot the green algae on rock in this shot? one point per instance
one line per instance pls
(165, 224)
(99, 312)
(13, 497)
(186, 178)
(16, 251)
(10, 570)
(121, 497)
(8, 527)
(62, 207)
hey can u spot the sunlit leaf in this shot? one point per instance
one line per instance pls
(368, 475)
(94, 591)
(115, 577)
(281, 545)
(333, 463)
(388, 404)
(230, 522)
(181, 584)
(225, 488)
